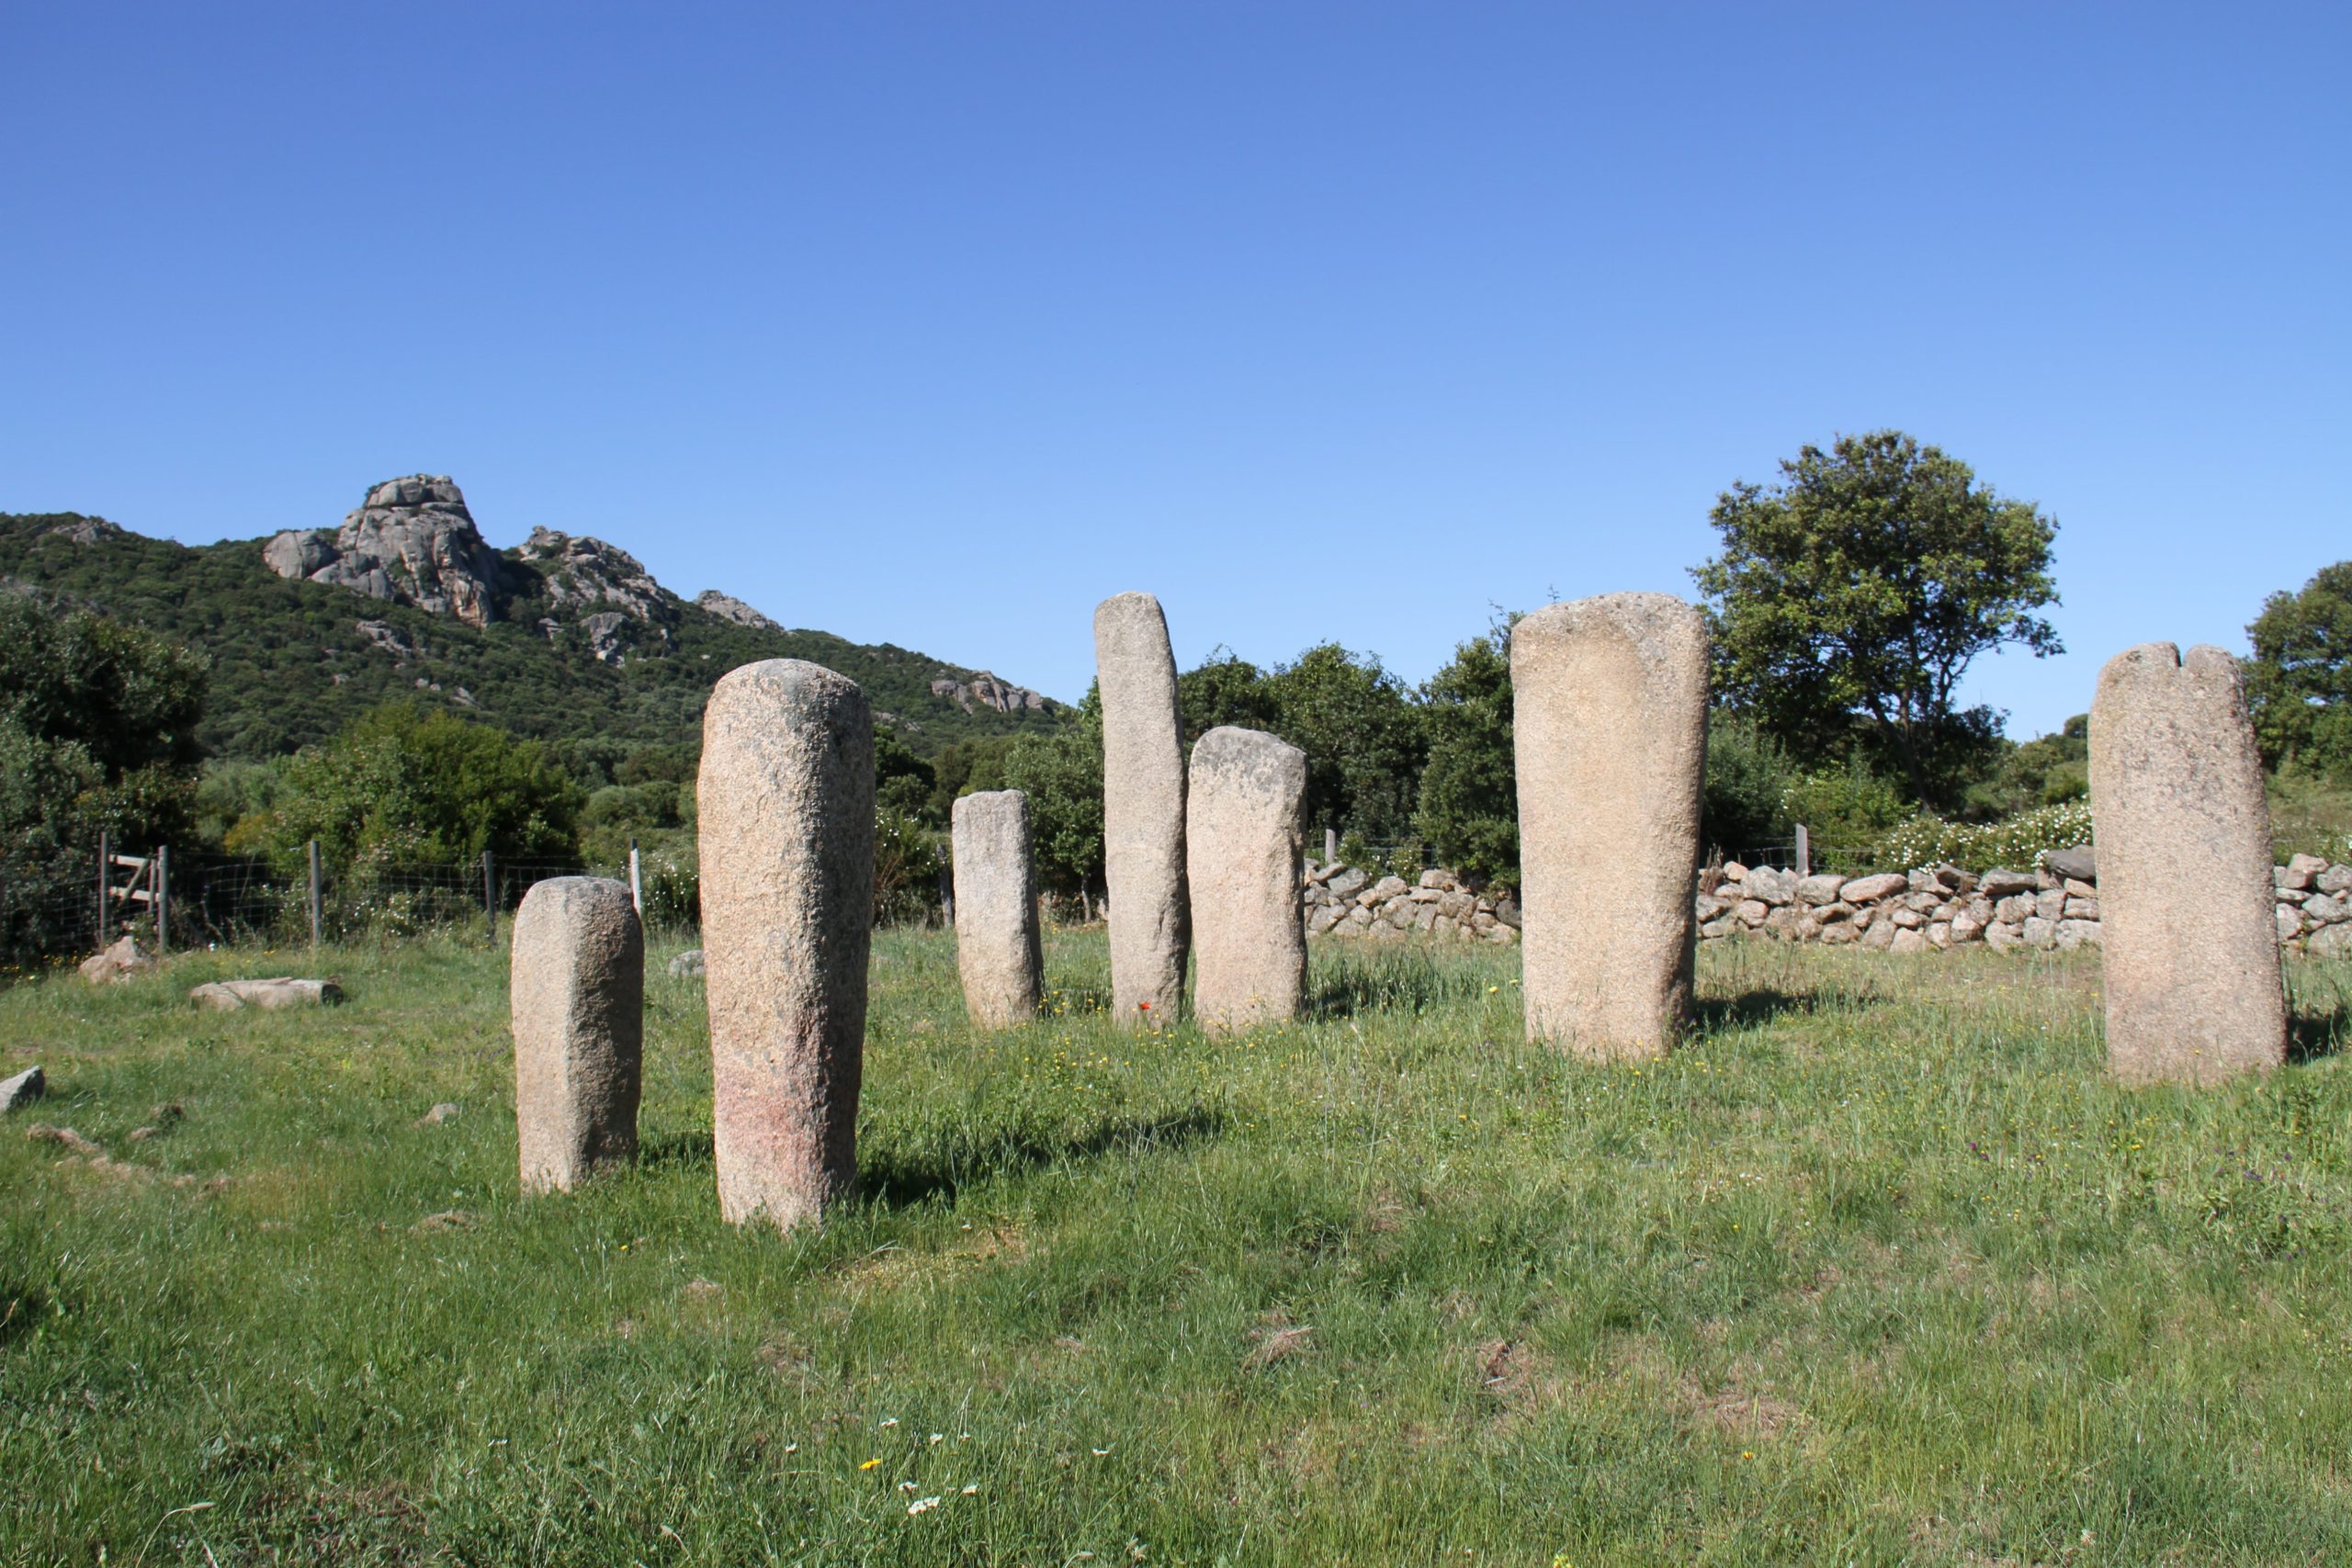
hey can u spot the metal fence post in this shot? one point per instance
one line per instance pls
(316, 920)
(490, 894)
(105, 859)
(1805, 851)
(162, 899)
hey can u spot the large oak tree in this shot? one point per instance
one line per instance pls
(1849, 599)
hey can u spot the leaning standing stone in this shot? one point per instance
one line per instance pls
(1610, 721)
(578, 995)
(2183, 834)
(1245, 840)
(786, 796)
(996, 946)
(1143, 809)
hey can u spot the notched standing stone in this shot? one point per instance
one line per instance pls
(578, 995)
(1143, 809)
(2183, 835)
(996, 946)
(1245, 845)
(787, 797)
(1610, 725)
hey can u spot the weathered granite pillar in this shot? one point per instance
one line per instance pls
(1143, 809)
(996, 946)
(1244, 837)
(788, 912)
(1610, 727)
(577, 992)
(2183, 834)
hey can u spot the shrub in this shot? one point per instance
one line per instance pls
(1747, 784)
(2017, 841)
(1844, 811)
(906, 868)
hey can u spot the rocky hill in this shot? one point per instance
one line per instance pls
(561, 637)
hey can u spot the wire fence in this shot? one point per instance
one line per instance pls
(174, 901)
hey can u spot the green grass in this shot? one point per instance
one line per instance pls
(1879, 1269)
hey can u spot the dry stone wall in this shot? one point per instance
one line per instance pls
(1349, 901)
(1923, 911)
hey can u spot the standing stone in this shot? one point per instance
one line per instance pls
(787, 908)
(577, 990)
(1143, 809)
(997, 945)
(1245, 837)
(2183, 839)
(1610, 720)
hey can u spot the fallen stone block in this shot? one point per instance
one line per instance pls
(281, 991)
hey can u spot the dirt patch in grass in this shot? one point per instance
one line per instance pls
(1516, 1379)
(1737, 1407)
(886, 1267)
(1277, 1338)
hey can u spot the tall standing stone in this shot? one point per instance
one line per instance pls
(1244, 843)
(787, 910)
(577, 990)
(996, 946)
(1610, 724)
(1143, 809)
(2182, 835)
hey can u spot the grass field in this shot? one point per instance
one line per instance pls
(1879, 1269)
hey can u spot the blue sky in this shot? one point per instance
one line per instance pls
(936, 324)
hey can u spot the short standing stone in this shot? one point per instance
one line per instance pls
(787, 797)
(1610, 715)
(996, 946)
(578, 995)
(1143, 809)
(1244, 831)
(2192, 976)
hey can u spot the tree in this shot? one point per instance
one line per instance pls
(1061, 774)
(1469, 788)
(98, 734)
(902, 781)
(1363, 737)
(2298, 682)
(1226, 689)
(964, 767)
(1849, 599)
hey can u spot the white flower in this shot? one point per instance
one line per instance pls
(921, 1506)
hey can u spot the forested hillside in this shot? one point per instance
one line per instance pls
(294, 660)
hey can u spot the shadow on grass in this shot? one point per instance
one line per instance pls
(22, 1308)
(901, 1178)
(2314, 1037)
(684, 1150)
(1752, 1007)
(1081, 998)
(1404, 982)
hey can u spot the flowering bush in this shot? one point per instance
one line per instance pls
(2016, 842)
